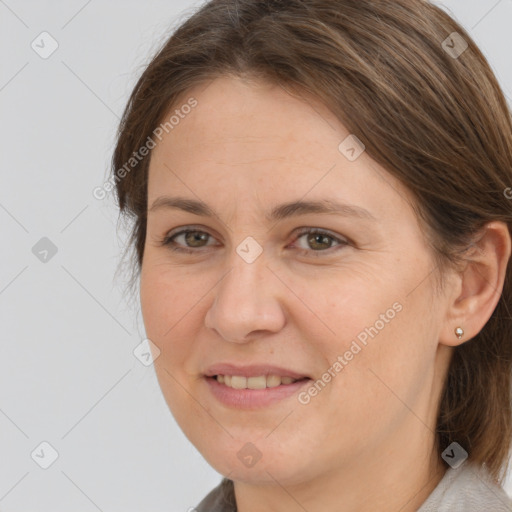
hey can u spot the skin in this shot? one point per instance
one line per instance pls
(366, 441)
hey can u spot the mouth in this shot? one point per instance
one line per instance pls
(252, 387)
(257, 382)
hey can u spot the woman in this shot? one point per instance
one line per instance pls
(320, 195)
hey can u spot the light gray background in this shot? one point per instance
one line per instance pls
(67, 372)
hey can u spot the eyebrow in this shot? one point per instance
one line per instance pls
(279, 212)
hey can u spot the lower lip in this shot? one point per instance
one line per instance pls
(253, 398)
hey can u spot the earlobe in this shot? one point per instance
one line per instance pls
(480, 286)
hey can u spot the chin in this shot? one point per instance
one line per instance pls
(257, 463)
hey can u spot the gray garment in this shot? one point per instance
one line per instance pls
(466, 489)
(220, 499)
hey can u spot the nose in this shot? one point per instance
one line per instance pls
(247, 302)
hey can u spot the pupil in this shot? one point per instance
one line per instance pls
(318, 238)
(195, 236)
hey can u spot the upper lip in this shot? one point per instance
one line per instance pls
(254, 370)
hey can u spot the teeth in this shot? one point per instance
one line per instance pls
(238, 382)
(257, 382)
(260, 382)
(273, 381)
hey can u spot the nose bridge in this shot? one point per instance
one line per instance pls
(246, 298)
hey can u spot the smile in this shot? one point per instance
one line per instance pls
(250, 393)
(259, 382)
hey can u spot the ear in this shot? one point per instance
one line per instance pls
(479, 285)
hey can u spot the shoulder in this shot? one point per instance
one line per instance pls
(220, 499)
(467, 489)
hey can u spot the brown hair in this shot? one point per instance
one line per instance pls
(436, 121)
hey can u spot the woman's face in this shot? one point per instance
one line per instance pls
(248, 295)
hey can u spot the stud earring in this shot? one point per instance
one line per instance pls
(459, 332)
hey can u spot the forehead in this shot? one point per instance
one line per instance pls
(238, 112)
(255, 141)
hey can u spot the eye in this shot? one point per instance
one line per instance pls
(194, 237)
(192, 240)
(318, 240)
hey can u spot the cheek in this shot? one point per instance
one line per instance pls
(381, 336)
(167, 300)
(386, 374)
(348, 304)
(169, 308)
(166, 291)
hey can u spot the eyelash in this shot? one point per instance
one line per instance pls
(169, 242)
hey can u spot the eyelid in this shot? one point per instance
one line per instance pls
(322, 231)
(297, 233)
(340, 242)
(190, 227)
